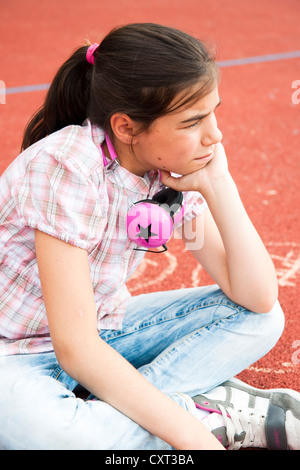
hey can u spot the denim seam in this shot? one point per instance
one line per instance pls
(185, 338)
(56, 373)
(197, 307)
(187, 399)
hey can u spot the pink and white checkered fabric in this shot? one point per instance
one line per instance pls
(61, 187)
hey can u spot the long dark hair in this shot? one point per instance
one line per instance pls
(139, 70)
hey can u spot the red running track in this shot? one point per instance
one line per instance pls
(259, 118)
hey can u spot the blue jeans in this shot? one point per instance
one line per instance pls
(185, 342)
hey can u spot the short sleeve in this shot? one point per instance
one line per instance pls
(58, 198)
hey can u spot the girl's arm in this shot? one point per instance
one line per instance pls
(232, 252)
(71, 311)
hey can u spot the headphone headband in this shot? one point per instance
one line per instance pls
(150, 222)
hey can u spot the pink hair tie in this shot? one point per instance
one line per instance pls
(90, 53)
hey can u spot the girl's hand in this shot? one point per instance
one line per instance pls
(202, 179)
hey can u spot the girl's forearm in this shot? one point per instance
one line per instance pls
(112, 379)
(251, 273)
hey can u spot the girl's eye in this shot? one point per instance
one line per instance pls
(193, 125)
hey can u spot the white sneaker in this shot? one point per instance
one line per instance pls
(244, 416)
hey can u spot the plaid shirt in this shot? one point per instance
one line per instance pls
(60, 186)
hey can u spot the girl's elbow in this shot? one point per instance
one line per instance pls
(258, 299)
(264, 306)
(65, 357)
(266, 301)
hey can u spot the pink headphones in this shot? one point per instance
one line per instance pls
(150, 222)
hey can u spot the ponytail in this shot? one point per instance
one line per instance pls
(66, 102)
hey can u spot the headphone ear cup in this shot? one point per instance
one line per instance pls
(171, 199)
(168, 196)
(148, 224)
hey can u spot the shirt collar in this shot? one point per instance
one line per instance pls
(146, 185)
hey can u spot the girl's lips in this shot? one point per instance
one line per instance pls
(206, 157)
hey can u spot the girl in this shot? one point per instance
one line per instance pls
(120, 118)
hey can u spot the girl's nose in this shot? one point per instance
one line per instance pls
(211, 133)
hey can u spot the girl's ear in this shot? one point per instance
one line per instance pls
(123, 127)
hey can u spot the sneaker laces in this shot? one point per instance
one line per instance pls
(243, 429)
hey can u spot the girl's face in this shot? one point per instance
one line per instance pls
(180, 142)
